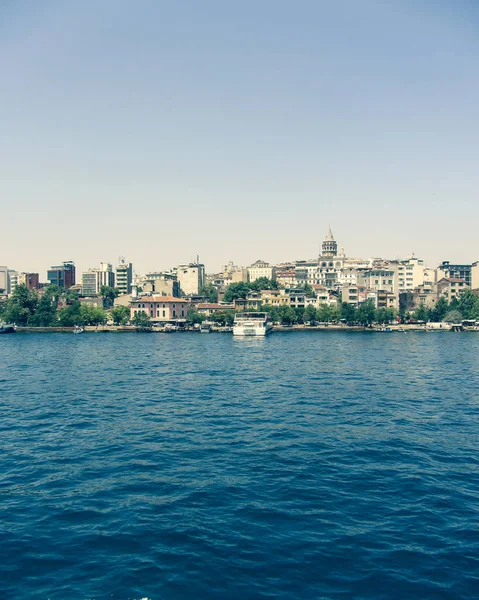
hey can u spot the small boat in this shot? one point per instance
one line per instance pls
(205, 328)
(78, 329)
(7, 328)
(254, 324)
(170, 328)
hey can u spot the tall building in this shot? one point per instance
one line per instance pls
(93, 279)
(31, 280)
(4, 282)
(329, 246)
(63, 275)
(124, 277)
(191, 277)
(466, 272)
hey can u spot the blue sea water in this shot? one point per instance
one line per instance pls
(304, 465)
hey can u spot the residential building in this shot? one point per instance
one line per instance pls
(124, 277)
(4, 282)
(94, 279)
(447, 270)
(354, 294)
(31, 280)
(191, 278)
(261, 269)
(63, 275)
(275, 297)
(451, 287)
(160, 308)
(208, 308)
(378, 279)
(410, 273)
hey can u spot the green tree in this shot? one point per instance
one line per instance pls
(439, 310)
(92, 315)
(263, 283)
(287, 315)
(195, 317)
(120, 315)
(422, 313)
(324, 313)
(70, 315)
(209, 291)
(310, 315)
(141, 319)
(46, 312)
(108, 294)
(223, 317)
(348, 313)
(273, 311)
(21, 305)
(366, 313)
(453, 316)
(236, 290)
(469, 305)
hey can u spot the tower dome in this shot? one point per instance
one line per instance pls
(329, 246)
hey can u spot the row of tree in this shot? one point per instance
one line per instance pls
(464, 308)
(58, 307)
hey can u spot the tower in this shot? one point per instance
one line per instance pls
(330, 246)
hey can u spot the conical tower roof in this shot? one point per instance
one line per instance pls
(329, 235)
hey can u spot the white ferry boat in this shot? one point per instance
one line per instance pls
(252, 323)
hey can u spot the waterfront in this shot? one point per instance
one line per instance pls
(308, 466)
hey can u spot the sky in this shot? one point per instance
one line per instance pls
(159, 130)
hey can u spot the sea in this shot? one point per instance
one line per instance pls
(304, 465)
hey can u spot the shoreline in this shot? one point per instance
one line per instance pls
(277, 328)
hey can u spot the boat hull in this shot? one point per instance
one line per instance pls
(7, 328)
(246, 331)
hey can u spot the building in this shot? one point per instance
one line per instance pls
(261, 269)
(410, 273)
(124, 277)
(94, 279)
(451, 287)
(160, 308)
(4, 282)
(31, 280)
(329, 246)
(191, 278)
(63, 275)
(465, 272)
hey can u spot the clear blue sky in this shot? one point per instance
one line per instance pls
(160, 130)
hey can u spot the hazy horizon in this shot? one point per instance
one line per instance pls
(160, 132)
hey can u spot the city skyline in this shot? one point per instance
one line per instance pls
(237, 132)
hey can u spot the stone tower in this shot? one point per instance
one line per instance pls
(330, 246)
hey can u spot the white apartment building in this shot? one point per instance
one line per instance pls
(191, 277)
(93, 279)
(261, 269)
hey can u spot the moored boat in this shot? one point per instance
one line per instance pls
(7, 328)
(252, 324)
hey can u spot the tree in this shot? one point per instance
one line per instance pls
(223, 317)
(308, 290)
(141, 319)
(453, 316)
(195, 317)
(273, 312)
(120, 315)
(236, 290)
(210, 292)
(348, 313)
(366, 313)
(439, 310)
(46, 312)
(92, 315)
(422, 313)
(263, 283)
(310, 315)
(469, 305)
(324, 313)
(287, 315)
(20, 306)
(108, 294)
(70, 315)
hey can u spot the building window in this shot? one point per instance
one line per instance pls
(163, 311)
(174, 313)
